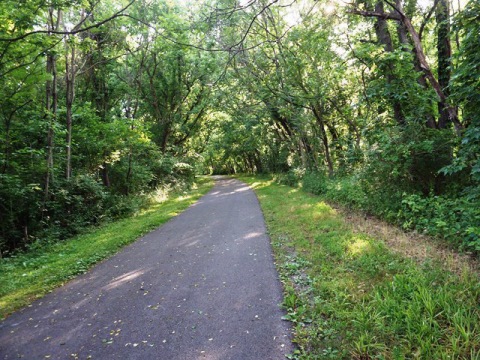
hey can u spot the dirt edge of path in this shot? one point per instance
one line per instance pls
(421, 248)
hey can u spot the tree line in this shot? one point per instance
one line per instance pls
(375, 103)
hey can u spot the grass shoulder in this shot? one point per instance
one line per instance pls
(31, 274)
(350, 296)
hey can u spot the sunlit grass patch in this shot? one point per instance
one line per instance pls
(349, 296)
(30, 275)
(358, 246)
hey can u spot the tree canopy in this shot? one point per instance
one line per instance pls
(102, 101)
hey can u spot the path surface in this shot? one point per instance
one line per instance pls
(203, 286)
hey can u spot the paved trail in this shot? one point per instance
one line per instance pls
(203, 286)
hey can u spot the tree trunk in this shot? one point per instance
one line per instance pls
(70, 96)
(51, 104)
(280, 120)
(258, 161)
(323, 135)
(450, 110)
(165, 136)
(384, 38)
(131, 116)
(444, 54)
(403, 36)
(309, 153)
(6, 158)
(104, 172)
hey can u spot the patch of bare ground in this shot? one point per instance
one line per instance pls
(420, 248)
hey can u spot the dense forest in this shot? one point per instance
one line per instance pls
(374, 104)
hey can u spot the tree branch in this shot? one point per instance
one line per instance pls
(386, 16)
(425, 20)
(73, 32)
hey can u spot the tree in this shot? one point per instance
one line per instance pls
(448, 110)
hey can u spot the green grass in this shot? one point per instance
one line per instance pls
(31, 274)
(350, 297)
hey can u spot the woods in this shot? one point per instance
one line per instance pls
(372, 103)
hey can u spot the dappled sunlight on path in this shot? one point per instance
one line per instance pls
(201, 287)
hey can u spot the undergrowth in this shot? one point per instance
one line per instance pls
(454, 218)
(28, 275)
(350, 297)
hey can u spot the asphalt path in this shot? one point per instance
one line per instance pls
(203, 286)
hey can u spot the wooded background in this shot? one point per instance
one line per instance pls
(374, 104)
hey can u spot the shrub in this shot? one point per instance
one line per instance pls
(130, 178)
(347, 191)
(315, 182)
(408, 159)
(74, 204)
(170, 170)
(454, 219)
(291, 177)
(19, 218)
(184, 170)
(121, 206)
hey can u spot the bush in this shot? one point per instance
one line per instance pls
(121, 206)
(130, 179)
(184, 170)
(290, 178)
(315, 182)
(452, 219)
(18, 208)
(74, 204)
(170, 170)
(82, 202)
(408, 160)
(347, 191)
(455, 219)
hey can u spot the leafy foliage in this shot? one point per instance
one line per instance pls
(137, 101)
(466, 85)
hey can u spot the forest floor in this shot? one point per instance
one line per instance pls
(204, 285)
(357, 288)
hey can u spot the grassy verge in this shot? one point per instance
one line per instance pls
(351, 297)
(31, 274)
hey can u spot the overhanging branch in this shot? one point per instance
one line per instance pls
(73, 32)
(381, 15)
